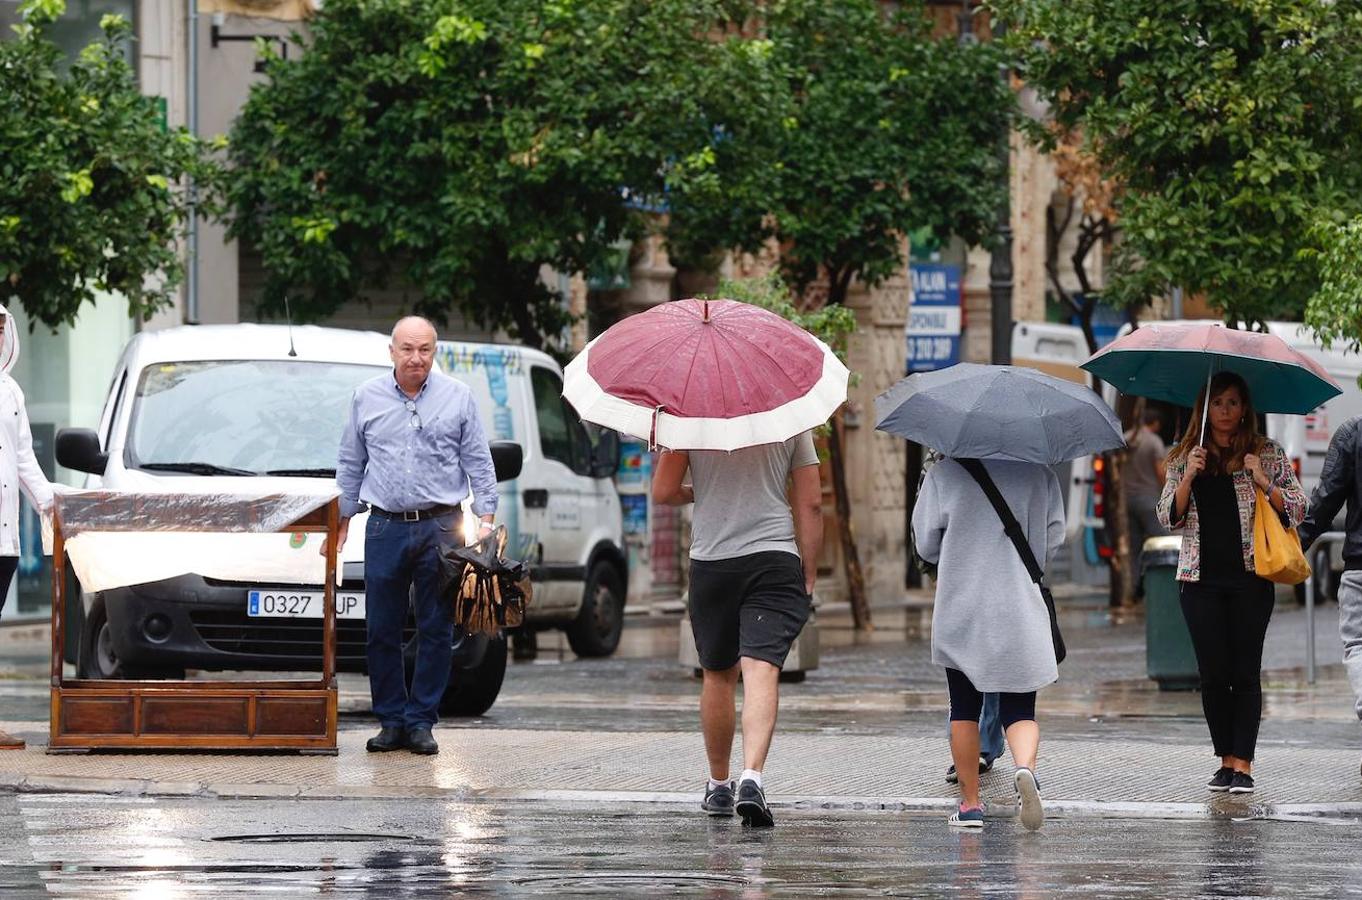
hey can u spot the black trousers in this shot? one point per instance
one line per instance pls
(1228, 622)
(8, 566)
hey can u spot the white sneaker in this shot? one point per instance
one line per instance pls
(1028, 799)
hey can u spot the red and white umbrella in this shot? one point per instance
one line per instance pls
(706, 375)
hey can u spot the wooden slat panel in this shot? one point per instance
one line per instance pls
(194, 715)
(105, 715)
(275, 716)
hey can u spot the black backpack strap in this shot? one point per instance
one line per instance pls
(1010, 525)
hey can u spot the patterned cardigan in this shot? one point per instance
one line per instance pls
(1275, 465)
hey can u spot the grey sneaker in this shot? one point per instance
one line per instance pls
(1032, 814)
(752, 806)
(719, 799)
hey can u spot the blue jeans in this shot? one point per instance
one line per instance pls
(397, 556)
(990, 729)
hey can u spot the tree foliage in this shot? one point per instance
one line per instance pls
(876, 129)
(93, 193)
(458, 147)
(1228, 126)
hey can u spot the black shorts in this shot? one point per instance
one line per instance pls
(751, 605)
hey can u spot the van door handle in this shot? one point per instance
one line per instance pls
(536, 498)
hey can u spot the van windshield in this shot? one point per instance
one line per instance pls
(243, 417)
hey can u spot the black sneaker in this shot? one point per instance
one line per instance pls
(752, 806)
(1241, 783)
(1221, 780)
(718, 799)
(984, 766)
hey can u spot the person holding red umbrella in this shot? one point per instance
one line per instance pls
(1209, 497)
(732, 392)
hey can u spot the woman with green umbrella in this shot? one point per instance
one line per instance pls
(1214, 476)
(1209, 498)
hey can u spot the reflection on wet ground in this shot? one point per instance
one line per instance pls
(116, 848)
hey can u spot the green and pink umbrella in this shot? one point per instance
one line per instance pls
(1172, 362)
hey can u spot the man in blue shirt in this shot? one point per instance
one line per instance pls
(412, 447)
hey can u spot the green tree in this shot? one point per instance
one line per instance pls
(93, 187)
(1229, 127)
(877, 129)
(459, 147)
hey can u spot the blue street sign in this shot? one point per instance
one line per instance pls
(933, 328)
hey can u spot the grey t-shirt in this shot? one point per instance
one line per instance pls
(741, 502)
(1142, 475)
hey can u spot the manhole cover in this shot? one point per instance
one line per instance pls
(623, 879)
(309, 838)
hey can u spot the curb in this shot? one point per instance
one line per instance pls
(1223, 809)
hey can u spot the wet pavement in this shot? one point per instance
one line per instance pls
(584, 768)
(170, 849)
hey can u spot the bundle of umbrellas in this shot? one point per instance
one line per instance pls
(488, 591)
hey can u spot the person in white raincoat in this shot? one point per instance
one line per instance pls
(18, 470)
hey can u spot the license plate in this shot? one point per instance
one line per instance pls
(272, 604)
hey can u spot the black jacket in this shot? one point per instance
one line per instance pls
(1339, 482)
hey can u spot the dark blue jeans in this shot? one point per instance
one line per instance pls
(400, 556)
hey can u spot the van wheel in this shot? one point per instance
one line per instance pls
(97, 657)
(597, 629)
(472, 691)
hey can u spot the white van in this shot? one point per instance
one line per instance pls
(245, 407)
(1317, 430)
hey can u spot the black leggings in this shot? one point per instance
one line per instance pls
(1228, 623)
(8, 565)
(967, 703)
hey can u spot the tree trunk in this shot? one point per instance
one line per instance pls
(860, 606)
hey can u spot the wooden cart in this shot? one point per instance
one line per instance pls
(190, 715)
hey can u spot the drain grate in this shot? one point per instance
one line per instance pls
(352, 837)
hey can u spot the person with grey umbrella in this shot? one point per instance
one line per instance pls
(989, 516)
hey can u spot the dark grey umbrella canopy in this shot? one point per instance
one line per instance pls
(970, 411)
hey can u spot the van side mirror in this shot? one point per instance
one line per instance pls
(507, 459)
(78, 449)
(605, 453)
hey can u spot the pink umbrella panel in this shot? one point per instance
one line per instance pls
(706, 375)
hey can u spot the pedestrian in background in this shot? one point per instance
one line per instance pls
(19, 470)
(411, 450)
(1339, 484)
(752, 572)
(1144, 478)
(1208, 498)
(990, 627)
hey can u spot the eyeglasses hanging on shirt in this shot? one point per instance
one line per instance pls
(415, 417)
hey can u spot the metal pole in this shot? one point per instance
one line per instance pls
(1310, 629)
(1000, 266)
(191, 294)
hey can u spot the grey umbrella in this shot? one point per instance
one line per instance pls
(970, 411)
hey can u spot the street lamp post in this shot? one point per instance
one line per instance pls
(1000, 272)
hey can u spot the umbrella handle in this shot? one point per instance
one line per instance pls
(1206, 402)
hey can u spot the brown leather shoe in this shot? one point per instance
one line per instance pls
(10, 742)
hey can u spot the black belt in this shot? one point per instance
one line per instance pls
(415, 515)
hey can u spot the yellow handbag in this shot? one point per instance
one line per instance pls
(1277, 554)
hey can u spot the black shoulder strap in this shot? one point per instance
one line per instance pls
(1010, 526)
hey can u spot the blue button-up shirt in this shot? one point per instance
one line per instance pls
(402, 459)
